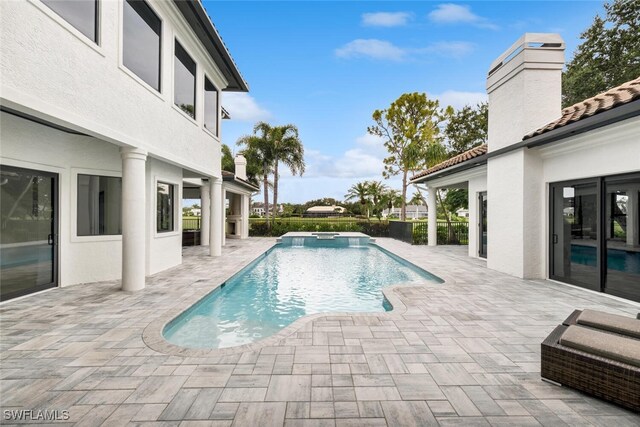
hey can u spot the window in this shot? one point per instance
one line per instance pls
(141, 42)
(99, 205)
(210, 107)
(185, 81)
(165, 207)
(82, 15)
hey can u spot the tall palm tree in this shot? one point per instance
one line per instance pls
(286, 148)
(359, 191)
(258, 150)
(377, 192)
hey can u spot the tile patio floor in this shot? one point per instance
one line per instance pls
(462, 353)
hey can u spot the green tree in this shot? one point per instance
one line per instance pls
(377, 192)
(287, 149)
(359, 191)
(228, 163)
(410, 128)
(608, 56)
(467, 128)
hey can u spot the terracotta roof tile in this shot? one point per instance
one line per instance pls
(460, 158)
(623, 94)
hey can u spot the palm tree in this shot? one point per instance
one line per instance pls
(377, 192)
(286, 148)
(359, 191)
(258, 150)
(228, 163)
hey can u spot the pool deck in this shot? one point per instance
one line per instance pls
(466, 352)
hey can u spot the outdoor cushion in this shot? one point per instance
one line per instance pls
(610, 322)
(615, 347)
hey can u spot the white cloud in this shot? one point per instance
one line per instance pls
(449, 13)
(371, 48)
(458, 99)
(243, 107)
(384, 50)
(386, 19)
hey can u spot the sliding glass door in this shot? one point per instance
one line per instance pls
(622, 225)
(482, 223)
(28, 224)
(594, 234)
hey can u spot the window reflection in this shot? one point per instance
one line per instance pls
(81, 14)
(185, 81)
(141, 41)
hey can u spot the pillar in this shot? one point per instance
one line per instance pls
(205, 212)
(133, 218)
(224, 216)
(432, 218)
(244, 211)
(217, 209)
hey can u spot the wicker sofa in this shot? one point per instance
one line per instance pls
(597, 353)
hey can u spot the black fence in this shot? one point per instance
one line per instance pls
(416, 233)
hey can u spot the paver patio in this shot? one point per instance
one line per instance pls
(466, 352)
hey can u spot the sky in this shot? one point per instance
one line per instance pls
(325, 66)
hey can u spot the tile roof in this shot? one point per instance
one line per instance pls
(460, 158)
(623, 94)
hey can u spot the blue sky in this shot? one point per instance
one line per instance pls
(326, 66)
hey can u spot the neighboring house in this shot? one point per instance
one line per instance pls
(106, 110)
(324, 211)
(555, 193)
(462, 213)
(258, 209)
(412, 211)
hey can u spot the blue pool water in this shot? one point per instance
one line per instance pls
(288, 283)
(628, 262)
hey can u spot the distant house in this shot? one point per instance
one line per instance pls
(412, 211)
(258, 209)
(463, 213)
(324, 211)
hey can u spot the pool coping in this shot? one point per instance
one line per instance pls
(153, 338)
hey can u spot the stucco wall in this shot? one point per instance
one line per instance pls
(49, 70)
(164, 250)
(34, 146)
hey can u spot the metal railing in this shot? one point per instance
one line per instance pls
(191, 223)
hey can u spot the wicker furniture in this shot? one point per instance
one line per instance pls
(596, 375)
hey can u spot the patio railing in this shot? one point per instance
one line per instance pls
(191, 223)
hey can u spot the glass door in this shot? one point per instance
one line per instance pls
(28, 224)
(574, 233)
(482, 250)
(622, 236)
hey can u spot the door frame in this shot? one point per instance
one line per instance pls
(55, 252)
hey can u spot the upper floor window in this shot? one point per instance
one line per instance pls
(185, 81)
(81, 14)
(210, 106)
(141, 41)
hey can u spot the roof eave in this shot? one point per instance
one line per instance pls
(195, 14)
(598, 120)
(469, 164)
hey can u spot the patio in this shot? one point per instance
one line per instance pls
(462, 353)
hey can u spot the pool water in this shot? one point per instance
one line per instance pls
(290, 282)
(628, 262)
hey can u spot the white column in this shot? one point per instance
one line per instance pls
(432, 230)
(245, 216)
(217, 208)
(224, 216)
(205, 212)
(133, 218)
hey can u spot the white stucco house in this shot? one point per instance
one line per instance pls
(412, 212)
(555, 192)
(108, 107)
(324, 211)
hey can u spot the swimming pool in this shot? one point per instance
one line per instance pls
(297, 277)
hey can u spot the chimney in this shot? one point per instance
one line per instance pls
(241, 167)
(525, 87)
